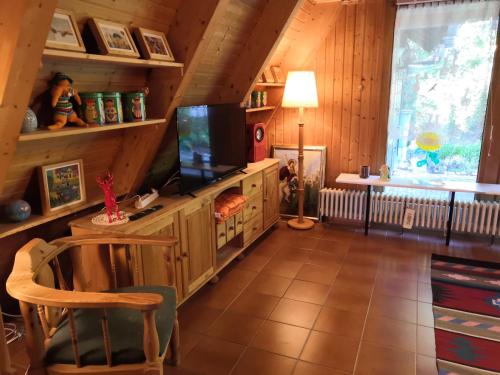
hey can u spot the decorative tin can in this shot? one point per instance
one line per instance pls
(93, 108)
(135, 106)
(263, 97)
(256, 103)
(113, 113)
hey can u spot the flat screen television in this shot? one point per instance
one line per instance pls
(212, 143)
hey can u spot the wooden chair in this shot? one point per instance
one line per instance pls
(125, 330)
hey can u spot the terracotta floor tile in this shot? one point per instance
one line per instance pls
(324, 259)
(188, 341)
(426, 343)
(293, 254)
(196, 317)
(426, 365)
(307, 292)
(254, 304)
(234, 279)
(283, 268)
(302, 242)
(296, 313)
(213, 356)
(396, 287)
(424, 292)
(253, 262)
(306, 368)
(260, 362)
(214, 297)
(353, 285)
(344, 300)
(269, 284)
(332, 246)
(378, 360)
(317, 274)
(425, 316)
(340, 322)
(234, 327)
(280, 338)
(330, 350)
(394, 307)
(390, 333)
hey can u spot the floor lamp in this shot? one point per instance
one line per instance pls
(300, 92)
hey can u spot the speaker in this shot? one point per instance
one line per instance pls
(256, 142)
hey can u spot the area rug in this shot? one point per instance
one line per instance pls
(466, 307)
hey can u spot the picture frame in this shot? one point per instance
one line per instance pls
(268, 75)
(113, 39)
(278, 74)
(314, 178)
(153, 44)
(64, 33)
(62, 185)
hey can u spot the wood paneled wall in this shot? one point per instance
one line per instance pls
(352, 66)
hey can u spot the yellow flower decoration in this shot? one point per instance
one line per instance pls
(429, 141)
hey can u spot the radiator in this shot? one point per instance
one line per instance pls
(481, 217)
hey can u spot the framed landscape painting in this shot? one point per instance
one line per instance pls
(314, 178)
(113, 38)
(61, 186)
(153, 44)
(64, 33)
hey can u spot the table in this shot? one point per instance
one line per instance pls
(416, 183)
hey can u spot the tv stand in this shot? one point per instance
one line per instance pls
(191, 195)
(200, 254)
(242, 171)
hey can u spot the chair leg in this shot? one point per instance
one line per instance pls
(175, 356)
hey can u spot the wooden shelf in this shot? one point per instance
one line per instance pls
(226, 255)
(55, 55)
(71, 130)
(266, 108)
(270, 84)
(8, 229)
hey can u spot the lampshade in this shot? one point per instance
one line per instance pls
(300, 90)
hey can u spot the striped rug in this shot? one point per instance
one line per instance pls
(466, 306)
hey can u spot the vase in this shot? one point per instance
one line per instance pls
(30, 122)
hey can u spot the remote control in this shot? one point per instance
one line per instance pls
(145, 212)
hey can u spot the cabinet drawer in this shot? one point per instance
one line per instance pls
(253, 207)
(238, 223)
(252, 185)
(252, 229)
(221, 235)
(230, 229)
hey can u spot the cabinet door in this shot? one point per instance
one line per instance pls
(151, 267)
(271, 196)
(198, 243)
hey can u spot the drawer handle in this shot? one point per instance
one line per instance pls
(185, 255)
(178, 258)
(265, 199)
(239, 222)
(231, 228)
(254, 185)
(254, 228)
(222, 235)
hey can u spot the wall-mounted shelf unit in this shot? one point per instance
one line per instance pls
(70, 130)
(269, 84)
(56, 55)
(8, 229)
(266, 108)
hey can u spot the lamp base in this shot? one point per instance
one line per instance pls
(306, 224)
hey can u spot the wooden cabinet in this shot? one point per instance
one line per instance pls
(271, 196)
(150, 261)
(197, 244)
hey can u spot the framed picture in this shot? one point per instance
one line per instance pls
(278, 74)
(113, 38)
(62, 185)
(314, 178)
(268, 76)
(64, 33)
(153, 45)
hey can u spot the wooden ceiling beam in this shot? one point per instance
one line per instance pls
(189, 36)
(258, 50)
(24, 26)
(316, 27)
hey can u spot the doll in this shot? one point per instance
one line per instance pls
(61, 91)
(385, 173)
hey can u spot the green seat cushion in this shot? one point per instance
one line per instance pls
(126, 331)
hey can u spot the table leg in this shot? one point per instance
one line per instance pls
(450, 218)
(367, 211)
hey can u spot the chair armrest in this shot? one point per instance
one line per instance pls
(29, 291)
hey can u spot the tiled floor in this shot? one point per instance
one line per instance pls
(326, 301)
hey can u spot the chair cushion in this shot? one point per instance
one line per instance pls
(125, 330)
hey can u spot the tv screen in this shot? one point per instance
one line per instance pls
(212, 143)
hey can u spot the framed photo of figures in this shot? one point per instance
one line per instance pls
(314, 178)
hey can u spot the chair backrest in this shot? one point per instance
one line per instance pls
(38, 282)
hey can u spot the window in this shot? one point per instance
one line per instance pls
(441, 71)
